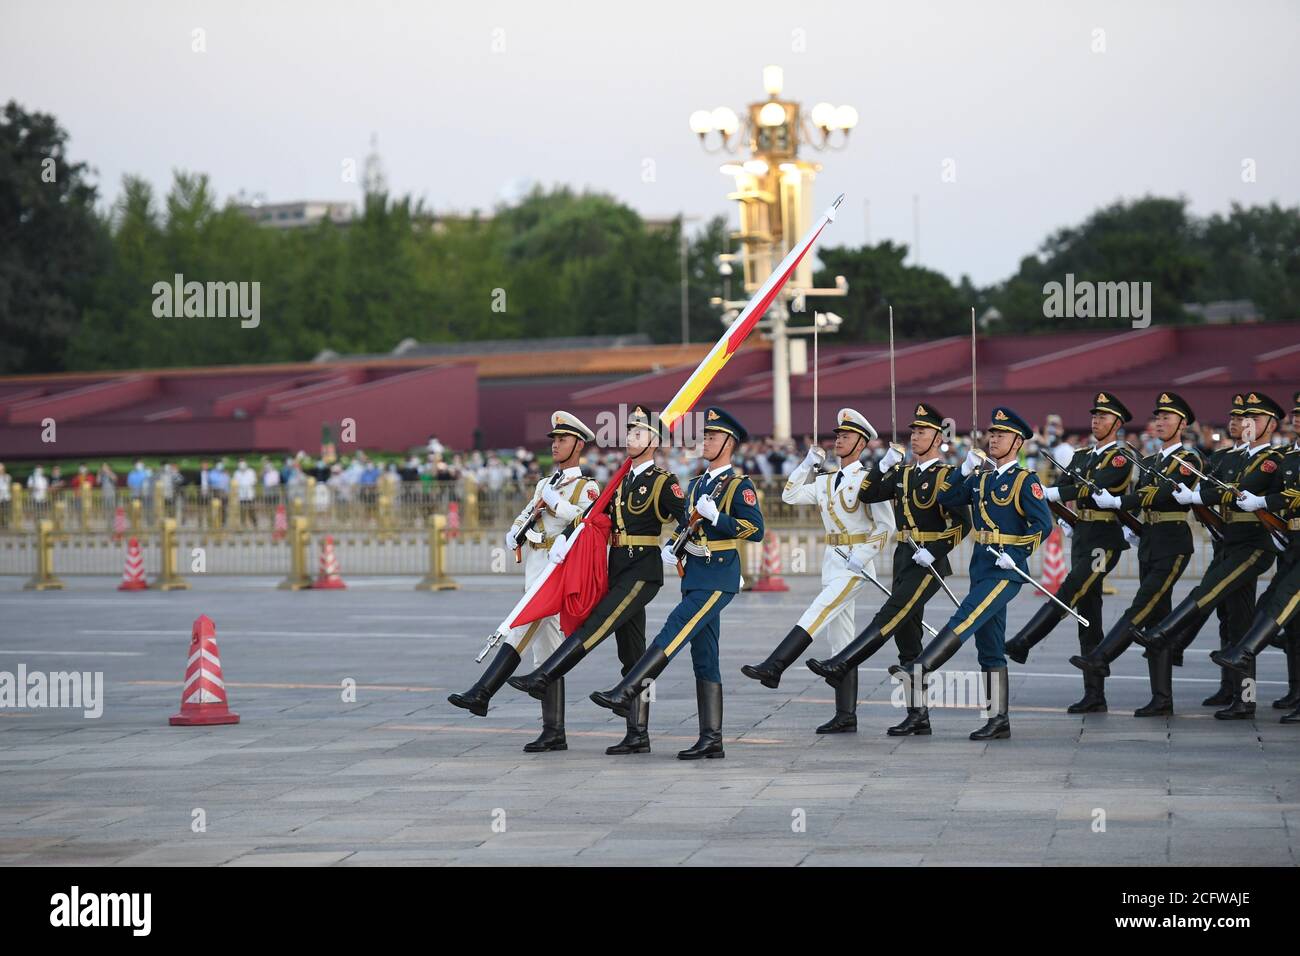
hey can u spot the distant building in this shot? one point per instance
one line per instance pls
(294, 215)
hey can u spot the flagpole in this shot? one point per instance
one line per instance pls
(686, 397)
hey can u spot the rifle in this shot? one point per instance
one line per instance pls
(1204, 513)
(683, 541)
(533, 519)
(1125, 518)
(1277, 528)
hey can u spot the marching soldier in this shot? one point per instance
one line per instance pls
(646, 499)
(1096, 545)
(1163, 551)
(1247, 549)
(1278, 618)
(856, 530)
(1010, 516)
(927, 533)
(725, 503)
(556, 503)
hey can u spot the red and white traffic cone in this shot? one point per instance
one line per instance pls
(1053, 562)
(203, 698)
(119, 523)
(329, 567)
(453, 519)
(133, 570)
(769, 579)
(281, 527)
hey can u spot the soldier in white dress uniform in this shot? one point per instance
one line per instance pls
(557, 501)
(859, 530)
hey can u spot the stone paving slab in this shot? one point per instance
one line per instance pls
(399, 777)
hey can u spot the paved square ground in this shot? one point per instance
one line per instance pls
(402, 777)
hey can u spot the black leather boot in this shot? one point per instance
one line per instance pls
(1292, 697)
(769, 672)
(708, 699)
(915, 724)
(937, 653)
(1184, 639)
(563, 660)
(475, 700)
(1240, 708)
(1161, 633)
(860, 648)
(1291, 718)
(1161, 671)
(1227, 682)
(1241, 655)
(552, 737)
(845, 720)
(998, 726)
(1093, 700)
(637, 740)
(624, 693)
(1099, 659)
(1039, 626)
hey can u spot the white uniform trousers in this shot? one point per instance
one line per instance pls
(543, 635)
(833, 609)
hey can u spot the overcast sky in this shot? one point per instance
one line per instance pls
(1042, 129)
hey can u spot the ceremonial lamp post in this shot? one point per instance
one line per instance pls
(774, 191)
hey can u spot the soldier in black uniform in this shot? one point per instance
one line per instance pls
(933, 530)
(1247, 549)
(1096, 545)
(1278, 618)
(1163, 552)
(648, 498)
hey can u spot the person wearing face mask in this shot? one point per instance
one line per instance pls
(1010, 518)
(857, 530)
(647, 498)
(1096, 544)
(558, 500)
(723, 512)
(927, 533)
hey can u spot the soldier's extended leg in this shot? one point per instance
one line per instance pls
(899, 618)
(1152, 602)
(623, 602)
(1082, 585)
(696, 608)
(829, 603)
(475, 700)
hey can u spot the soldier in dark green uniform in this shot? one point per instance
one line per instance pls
(1095, 549)
(1163, 552)
(1247, 550)
(1278, 618)
(927, 533)
(648, 498)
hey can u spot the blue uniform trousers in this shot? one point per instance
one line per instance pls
(696, 621)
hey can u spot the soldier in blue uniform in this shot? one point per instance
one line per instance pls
(1009, 513)
(725, 503)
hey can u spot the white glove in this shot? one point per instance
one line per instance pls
(666, 555)
(1005, 561)
(855, 565)
(708, 509)
(816, 456)
(558, 550)
(1104, 499)
(1052, 494)
(1185, 495)
(923, 557)
(1131, 536)
(510, 539)
(972, 463)
(1248, 502)
(551, 497)
(1065, 527)
(889, 459)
